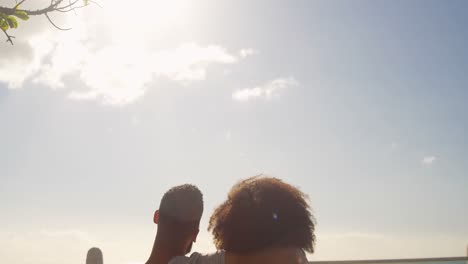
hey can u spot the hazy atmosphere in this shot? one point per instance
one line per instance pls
(361, 104)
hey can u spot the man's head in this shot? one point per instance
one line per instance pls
(179, 214)
(260, 213)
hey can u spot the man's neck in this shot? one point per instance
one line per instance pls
(163, 251)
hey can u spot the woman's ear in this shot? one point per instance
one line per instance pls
(156, 217)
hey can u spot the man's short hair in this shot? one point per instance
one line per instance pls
(262, 212)
(181, 205)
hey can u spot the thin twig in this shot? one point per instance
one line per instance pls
(96, 3)
(67, 6)
(18, 4)
(9, 37)
(57, 27)
(74, 11)
(69, 10)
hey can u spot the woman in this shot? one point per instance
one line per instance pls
(264, 220)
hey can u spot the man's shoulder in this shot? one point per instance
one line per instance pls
(197, 258)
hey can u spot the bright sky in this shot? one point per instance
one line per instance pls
(361, 104)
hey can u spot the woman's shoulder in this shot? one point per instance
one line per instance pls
(276, 255)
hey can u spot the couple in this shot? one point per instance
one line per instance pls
(263, 220)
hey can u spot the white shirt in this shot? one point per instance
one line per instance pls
(197, 258)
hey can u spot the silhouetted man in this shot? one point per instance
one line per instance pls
(178, 220)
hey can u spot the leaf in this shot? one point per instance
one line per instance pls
(12, 22)
(21, 15)
(4, 25)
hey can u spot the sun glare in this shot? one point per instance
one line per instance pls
(123, 17)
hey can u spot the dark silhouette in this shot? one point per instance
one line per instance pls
(264, 220)
(94, 256)
(178, 220)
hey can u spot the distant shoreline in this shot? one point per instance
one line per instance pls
(392, 260)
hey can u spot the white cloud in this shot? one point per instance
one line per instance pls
(268, 91)
(428, 160)
(189, 61)
(115, 76)
(247, 52)
(34, 42)
(246, 94)
(23, 59)
(116, 72)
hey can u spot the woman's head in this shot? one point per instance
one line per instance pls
(263, 212)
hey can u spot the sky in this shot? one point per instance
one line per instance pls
(360, 104)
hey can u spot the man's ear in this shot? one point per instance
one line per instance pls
(156, 217)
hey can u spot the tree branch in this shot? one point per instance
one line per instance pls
(9, 37)
(11, 10)
(70, 4)
(94, 2)
(70, 9)
(54, 6)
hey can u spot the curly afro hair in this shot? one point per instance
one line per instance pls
(262, 212)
